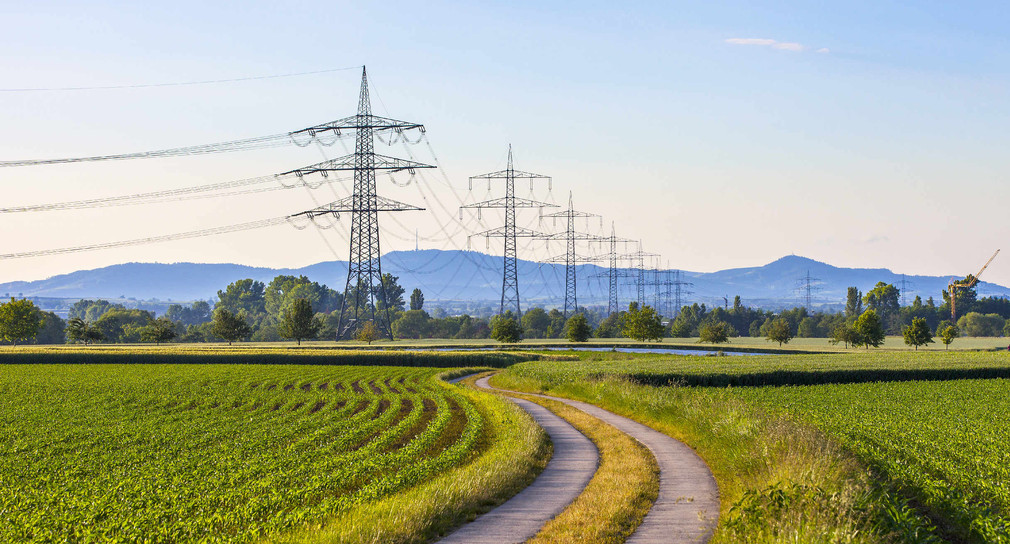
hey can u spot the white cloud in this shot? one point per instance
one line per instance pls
(751, 41)
(774, 44)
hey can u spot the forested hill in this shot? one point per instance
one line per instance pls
(473, 276)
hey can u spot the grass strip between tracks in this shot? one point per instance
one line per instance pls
(619, 495)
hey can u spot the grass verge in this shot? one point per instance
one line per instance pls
(512, 452)
(779, 480)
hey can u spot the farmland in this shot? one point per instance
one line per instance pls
(220, 452)
(879, 447)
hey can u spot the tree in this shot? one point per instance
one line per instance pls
(976, 324)
(79, 330)
(844, 332)
(158, 331)
(642, 323)
(779, 331)
(577, 328)
(853, 303)
(52, 331)
(869, 328)
(20, 320)
(557, 327)
(229, 326)
(947, 335)
(416, 299)
(505, 328)
(918, 333)
(242, 295)
(883, 299)
(714, 333)
(123, 325)
(390, 295)
(368, 332)
(535, 323)
(92, 310)
(299, 321)
(411, 324)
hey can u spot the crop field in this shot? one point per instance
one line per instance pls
(234, 453)
(773, 369)
(931, 430)
(946, 443)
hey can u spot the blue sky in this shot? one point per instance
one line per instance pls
(721, 134)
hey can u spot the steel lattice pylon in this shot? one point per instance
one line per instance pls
(364, 289)
(510, 269)
(570, 258)
(613, 273)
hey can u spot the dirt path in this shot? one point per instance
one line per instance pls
(571, 467)
(687, 509)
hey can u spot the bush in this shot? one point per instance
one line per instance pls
(577, 329)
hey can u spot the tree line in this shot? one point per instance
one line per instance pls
(296, 308)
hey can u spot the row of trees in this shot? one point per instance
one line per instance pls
(293, 307)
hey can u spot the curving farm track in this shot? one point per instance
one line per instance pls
(686, 510)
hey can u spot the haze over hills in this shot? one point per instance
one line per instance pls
(449, 278)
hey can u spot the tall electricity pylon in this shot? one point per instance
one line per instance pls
(612, 273)
(807, 287)
(570, 236)
(510, 231)
(638, 258)
(679, 291)
(364, 287)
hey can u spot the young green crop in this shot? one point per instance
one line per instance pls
(946, 443)
(215, 453)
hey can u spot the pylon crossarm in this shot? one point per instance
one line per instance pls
(502, 232)
(361, 122)
(579, 236)
(506, 174)
(347, 205)
(352, 162)
(503, 203)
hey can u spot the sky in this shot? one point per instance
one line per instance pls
(720, 134)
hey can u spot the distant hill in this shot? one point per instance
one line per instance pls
(451, 278)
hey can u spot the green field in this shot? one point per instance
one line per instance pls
(946, 443)
(215, 452)
(923, 438)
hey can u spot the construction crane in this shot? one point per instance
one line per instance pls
(964, 284)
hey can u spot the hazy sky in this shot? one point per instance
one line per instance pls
(722, 134)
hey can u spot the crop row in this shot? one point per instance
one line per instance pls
(214, 453)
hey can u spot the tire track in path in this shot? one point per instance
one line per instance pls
(571, 467)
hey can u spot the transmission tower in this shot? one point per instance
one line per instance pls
(510, 271)
(612, 273)
(364, 287)
(808, 285)
(638, 258)
(906, 284)
(570, 258)
(679, 291)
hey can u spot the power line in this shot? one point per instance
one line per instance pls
(175, 84)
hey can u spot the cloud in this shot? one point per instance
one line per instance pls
(877, 239)
(774, 44)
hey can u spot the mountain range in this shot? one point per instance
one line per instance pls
(469, 279)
